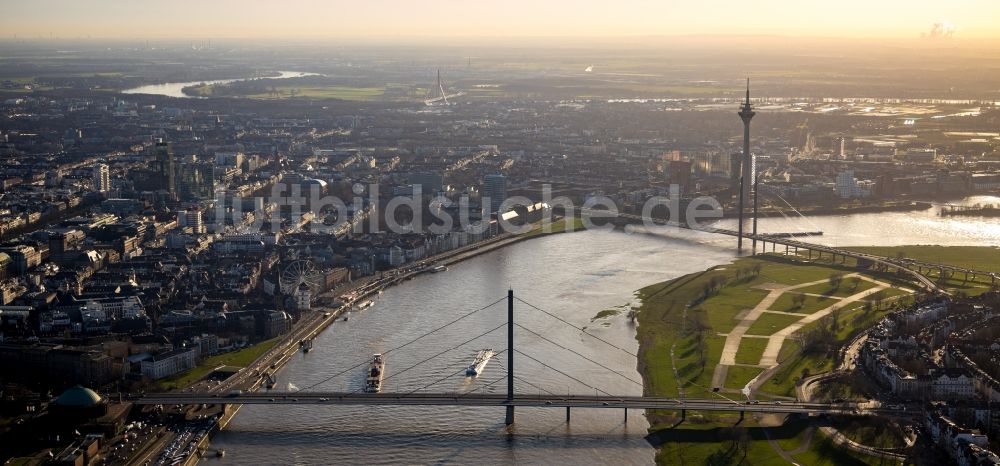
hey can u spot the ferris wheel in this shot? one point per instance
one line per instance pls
(298, 273)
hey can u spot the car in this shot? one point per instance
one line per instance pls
(606, 403)
(270, 399)
(756, 402)
(548, 402)
(777, 402)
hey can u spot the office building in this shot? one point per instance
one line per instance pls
(163, 168)
(495, 189)
(102, 180)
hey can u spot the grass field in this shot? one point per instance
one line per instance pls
(668, 318)
(769, 323)
(715, 445)
(848, 287)
(810, 304)
(751, 349)
(669, 310)
(824, 452)
(240, 358)
(794, 365)
(738, 376)
(722, 308)
(559, 225)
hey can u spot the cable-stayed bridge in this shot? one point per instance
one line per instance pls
(511, 398)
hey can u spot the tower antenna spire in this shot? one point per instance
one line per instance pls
(746, 177)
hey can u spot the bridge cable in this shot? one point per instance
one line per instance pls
(498, 327)
(403, 345)
(578, 328)
(791, 222)
(585, 384)
(500, 379)
(795, 210)
(578, 354)
(503, 378)
(481, 387)
(533, 385)
(442, 379)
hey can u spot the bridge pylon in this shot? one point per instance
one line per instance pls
(509, 419)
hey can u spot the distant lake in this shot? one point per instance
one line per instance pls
(176, 89)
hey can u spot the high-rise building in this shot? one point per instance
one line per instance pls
(195, 181)
(735, 169)
(102, 180)
(679, 173)
(191, 219)
(494, 188)
(163, 166)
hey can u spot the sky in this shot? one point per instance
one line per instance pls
(380, 19)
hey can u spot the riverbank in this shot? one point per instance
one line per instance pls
(846, 210)
(710, 334)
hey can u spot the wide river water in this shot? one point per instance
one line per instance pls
(574, 276)
(177, 89)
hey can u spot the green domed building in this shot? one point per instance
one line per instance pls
(79, 403)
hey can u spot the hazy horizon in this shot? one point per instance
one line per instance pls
(389, 20)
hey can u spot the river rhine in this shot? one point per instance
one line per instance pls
(177, 89)
(571, 275)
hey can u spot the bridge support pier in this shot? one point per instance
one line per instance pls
(509, 419)
(742, 415)
(567, 414)
(684, 414)
(626, 415)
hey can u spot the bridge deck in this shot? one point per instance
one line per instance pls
(500, 400)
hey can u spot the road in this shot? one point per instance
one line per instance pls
(475, 399)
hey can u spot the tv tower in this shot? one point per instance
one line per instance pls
(746, 114)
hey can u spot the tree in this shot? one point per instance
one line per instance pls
(798, 299)
(855, 282)
(835, 280)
